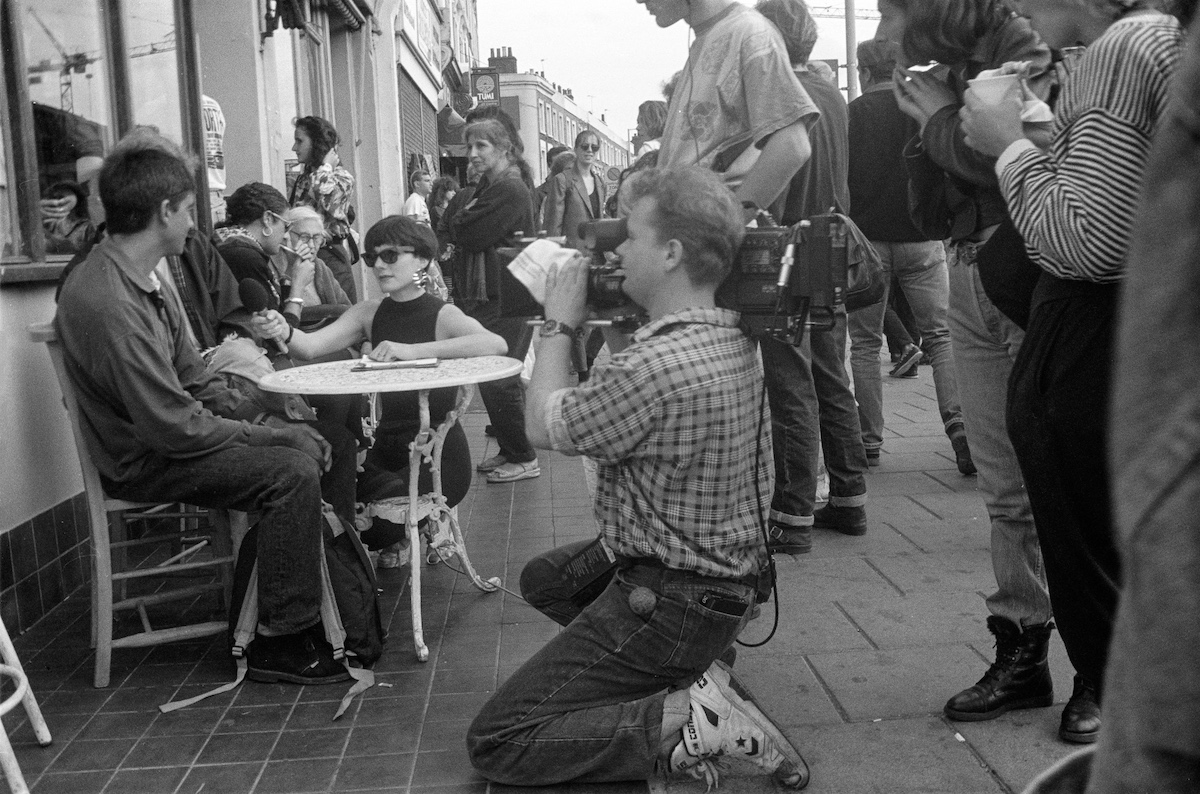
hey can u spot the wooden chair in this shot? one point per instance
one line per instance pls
(109, 519)
(10, 667)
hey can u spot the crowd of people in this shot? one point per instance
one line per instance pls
(1004, 225)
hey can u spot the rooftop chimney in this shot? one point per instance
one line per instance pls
(503, 61)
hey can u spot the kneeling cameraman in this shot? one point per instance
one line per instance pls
(677, 423)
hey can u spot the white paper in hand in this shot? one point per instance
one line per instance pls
(533, 265)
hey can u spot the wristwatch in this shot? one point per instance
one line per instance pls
(554, 327)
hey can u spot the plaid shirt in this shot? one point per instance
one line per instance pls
(674, 422)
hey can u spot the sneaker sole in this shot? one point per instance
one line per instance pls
(905, 365)
(525, 475)
(794, 778)
(1042, 701)
(483, 468)
(1078, 738)
(274, 677)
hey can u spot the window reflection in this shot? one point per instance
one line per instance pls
(70, 89)
(153, 68)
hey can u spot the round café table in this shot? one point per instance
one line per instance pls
(444, 535)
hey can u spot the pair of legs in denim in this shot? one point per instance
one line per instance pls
(985, 345)
(505, 399)
(920, 271)
(279, 483)
(809, 393)
(588, 707)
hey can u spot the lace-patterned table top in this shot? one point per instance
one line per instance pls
(337, 377)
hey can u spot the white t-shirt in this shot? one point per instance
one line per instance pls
(416, 208)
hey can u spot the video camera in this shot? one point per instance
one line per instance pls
(783, 279)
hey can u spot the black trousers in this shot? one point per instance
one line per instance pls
(1058, 396)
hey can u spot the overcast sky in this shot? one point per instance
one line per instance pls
(611, 49)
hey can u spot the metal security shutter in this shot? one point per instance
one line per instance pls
(418, 125)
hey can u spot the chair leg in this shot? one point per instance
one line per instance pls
(102, 623)
(118, 530)
(12, 770)
(9, 654)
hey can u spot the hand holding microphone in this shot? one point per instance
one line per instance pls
(254, 298)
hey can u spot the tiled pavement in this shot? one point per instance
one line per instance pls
(874, 634)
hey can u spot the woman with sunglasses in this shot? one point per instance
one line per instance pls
(577, 194)
(252, 243)
(407, 323)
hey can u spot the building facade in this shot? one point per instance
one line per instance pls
(76, 75)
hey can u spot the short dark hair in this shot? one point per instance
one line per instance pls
(398, 230)
(948, 31)
(878, 58)
(251, 201)
(412, 179)
(554, 152)
(323, 135)
(563, 162)
(134, 182)
(692, 205)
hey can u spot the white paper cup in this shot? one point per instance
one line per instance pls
(992, 90)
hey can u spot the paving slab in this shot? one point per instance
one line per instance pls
(936, 618)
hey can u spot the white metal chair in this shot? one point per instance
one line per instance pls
(109, 519)
(10, 667)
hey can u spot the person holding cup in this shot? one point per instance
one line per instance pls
(1074, 205)
(954, 195)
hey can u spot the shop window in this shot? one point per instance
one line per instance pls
(149, 27)
(68, 87)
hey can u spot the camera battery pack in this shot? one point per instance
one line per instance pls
(593, 562)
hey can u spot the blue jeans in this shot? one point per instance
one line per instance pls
(985, 346)
(280, 483)
(588, 706)
(809, 393)
(920, 270)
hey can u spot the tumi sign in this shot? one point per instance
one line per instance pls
(485, 86)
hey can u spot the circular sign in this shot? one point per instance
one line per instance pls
(484, 84)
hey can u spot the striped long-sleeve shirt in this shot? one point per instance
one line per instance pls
(1075, 203)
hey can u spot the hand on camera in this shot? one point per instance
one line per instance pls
(566, 292)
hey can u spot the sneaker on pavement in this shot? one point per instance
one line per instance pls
(908, 361)
(784, 539)
(491, 464)
(512, 472)
(296, 658)
(393, 556)
(962, 454)
(726, 722)
(847, 520)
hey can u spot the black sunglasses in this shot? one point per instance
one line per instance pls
(389, 256)
(590, 147)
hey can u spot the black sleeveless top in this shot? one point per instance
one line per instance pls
(410, 322)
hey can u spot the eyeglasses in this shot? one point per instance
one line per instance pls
(287, 225)
(389, 256)
(314, 240)
(589, 147)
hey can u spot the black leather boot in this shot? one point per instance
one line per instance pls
(1081, 715)
(1018, 679)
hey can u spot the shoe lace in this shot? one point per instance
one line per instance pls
(1007, 655)
(709, 770)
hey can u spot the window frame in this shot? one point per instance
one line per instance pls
(20, 136)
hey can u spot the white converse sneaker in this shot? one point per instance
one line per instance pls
(725, 721)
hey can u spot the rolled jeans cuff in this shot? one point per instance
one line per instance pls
(788, 520)
(858, 500)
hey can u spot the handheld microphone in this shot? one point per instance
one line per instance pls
(254, 298)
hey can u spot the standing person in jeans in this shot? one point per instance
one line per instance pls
(812, 407)
(632, 683)
(946, 173)
(500, 208)
(879, 205)
(1077, 221)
